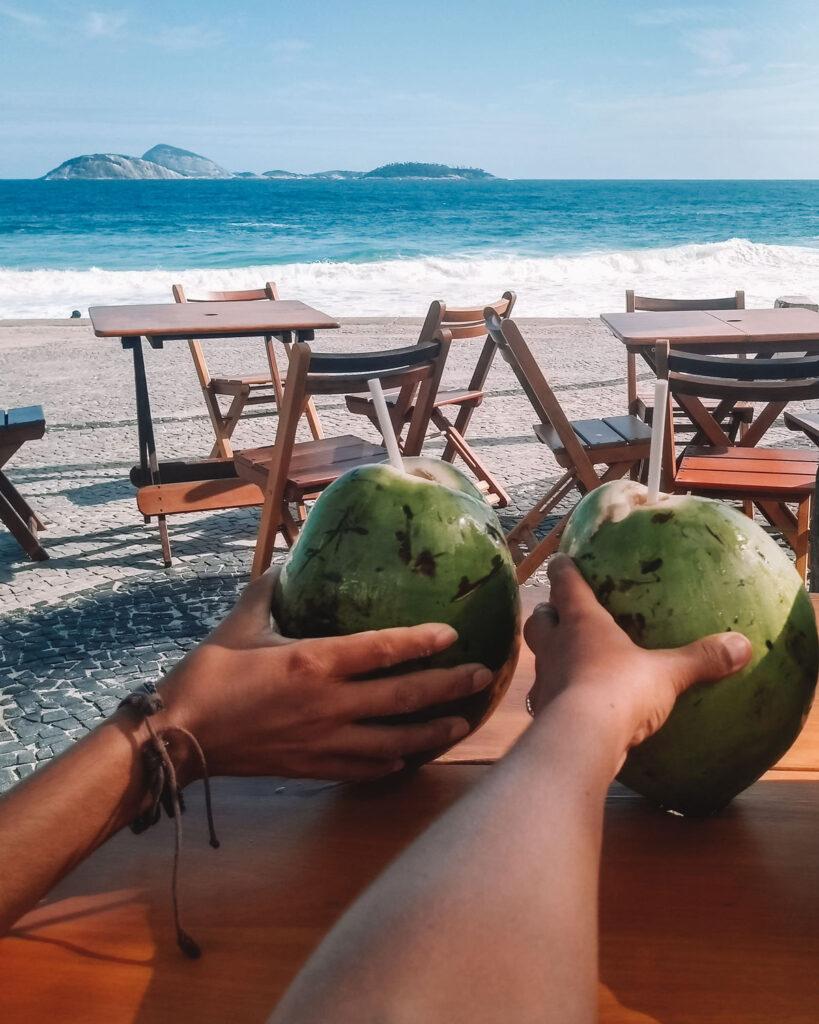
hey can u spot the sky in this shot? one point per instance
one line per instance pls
(523, 88)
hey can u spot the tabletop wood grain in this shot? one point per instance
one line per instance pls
(201, 319)
(741, 327)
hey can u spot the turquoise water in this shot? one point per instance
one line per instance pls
(388, 246)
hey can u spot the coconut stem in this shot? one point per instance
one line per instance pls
(655, 454)
(385, 424)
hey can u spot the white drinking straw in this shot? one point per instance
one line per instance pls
(385, 425)
(655, 454)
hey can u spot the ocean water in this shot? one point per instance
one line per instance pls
(381, 248)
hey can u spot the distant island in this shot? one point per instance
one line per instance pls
(164, 162)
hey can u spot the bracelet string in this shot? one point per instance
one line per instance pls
(164, 792)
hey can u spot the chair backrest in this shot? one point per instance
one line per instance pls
(693, 376)
(635, 303)
(506, 336)
(461, 325)
(746, 380)
(270, 291)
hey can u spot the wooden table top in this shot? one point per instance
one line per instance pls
(711, 921)
(207, 319)
(726, 328)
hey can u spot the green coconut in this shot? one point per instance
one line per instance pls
(670, 573)
(382, 548)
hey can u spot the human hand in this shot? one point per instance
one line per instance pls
(262, 704)
(582, 656)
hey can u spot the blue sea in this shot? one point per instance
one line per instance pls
(381, 248)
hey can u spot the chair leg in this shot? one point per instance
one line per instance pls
(538, 554)
(802, 545)
(20, 530)
(223, 448)
(164, 540)
(458, 445)
(313, 420)
(527, 551)
(20, 505)
(747, 505)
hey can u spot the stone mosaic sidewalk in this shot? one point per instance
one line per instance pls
(80, 630)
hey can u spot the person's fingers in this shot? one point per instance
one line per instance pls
(568, 591)
(360, 653)
(252, 610)
(413, 691)
(540, 626)
(384, 742)
(709, 659)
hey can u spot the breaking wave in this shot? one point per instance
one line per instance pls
(568, 285)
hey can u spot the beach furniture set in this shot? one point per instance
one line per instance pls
(722, 408)
(712, 921)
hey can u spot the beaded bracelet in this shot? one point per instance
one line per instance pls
(164, 792)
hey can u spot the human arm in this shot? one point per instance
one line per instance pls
(492, 914)
(258, 704)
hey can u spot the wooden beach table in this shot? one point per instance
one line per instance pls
(204, 484)
(751, 331)
(703, 922)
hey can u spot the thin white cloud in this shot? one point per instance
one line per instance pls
(716, 49)
(25, 18)
(104, 24)
(186, 38)
(291, 46)
(660, 17)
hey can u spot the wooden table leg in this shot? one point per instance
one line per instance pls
(631, 382)
(148, 461)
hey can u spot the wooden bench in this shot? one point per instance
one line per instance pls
(16, 427)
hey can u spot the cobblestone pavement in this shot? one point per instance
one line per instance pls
(102, 613)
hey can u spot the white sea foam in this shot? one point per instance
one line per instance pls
(572, 285)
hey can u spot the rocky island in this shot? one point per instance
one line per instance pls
(164, 162)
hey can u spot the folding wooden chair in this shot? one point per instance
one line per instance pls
(16, 427)
(615, 443)
(770, 478)
(291, 473)
(462, 324)
(256, 389)
(740, 415)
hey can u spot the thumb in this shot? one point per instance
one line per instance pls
(707, 660)
(251, 617)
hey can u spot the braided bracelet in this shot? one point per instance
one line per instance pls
(164, 792)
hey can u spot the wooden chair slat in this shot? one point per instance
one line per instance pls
(646, 303)
(26, 414)
(632, 429)
(754, 454)
(732, 368)
(252, 381)
(786, 470)
(729, 483)
(197, 496)
(596, 433)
